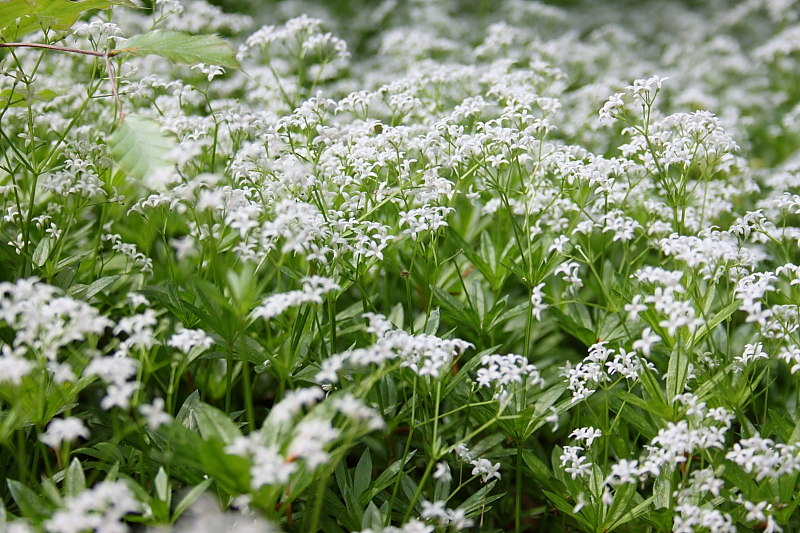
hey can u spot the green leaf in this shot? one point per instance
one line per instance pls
(162, 485)
(570, 326)
(363, 474)
(213, 423)
(722, 315)
(16, 98)
(662, 489)
(190, 498)
(457, 310)
(84, 292)
(75, 480)
(659, 409)
(181, 47)
(27, 500)
(677, 372)
(386, 478)
(142, 150)
(372, 518)
(42, 252)
(562, 505)
(472, 255)
(622, 499)
(20, 17)
(537, 467)
(636, 512)
(432, 327)
(740, 479)
(479, 499)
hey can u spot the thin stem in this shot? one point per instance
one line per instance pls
(518, 502)
(112, 78)
(61, 49)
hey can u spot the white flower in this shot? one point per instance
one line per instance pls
(186, 339)
(442, 472)
(433, 509)
(209, 70)
(577, 464)
(486, 470)
(293, 402)
(119, 395)
(588, 434)
(155, 414)
(646, 342)
(552, 418)
(537, 301)
(60, 430)
(580, 503)
(100, 509)
(270, 468)
(13, 366)
(311, 437)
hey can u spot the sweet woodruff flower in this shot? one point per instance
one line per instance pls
(186, 339)
(485, 469)
(154, 414)
(44, 320)
(100, 508)
(61, 430)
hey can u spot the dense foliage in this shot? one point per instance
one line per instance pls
(399, 266)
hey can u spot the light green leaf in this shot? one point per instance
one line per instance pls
(75, 480)
(142, 150)
(162, 485)
(190, 498)
(372, 518)
(662, 490)
(84, 292)
(17, 98)
(42, 252)
(181, 47)
(20, 17)
(213, 423)
(636, 512)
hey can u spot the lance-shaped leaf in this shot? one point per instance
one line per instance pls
(20, 98)
(20, 17)
(142, 150)
(181, 47)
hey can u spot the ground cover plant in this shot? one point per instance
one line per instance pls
(422, 266)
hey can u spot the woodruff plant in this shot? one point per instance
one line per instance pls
(317, 285)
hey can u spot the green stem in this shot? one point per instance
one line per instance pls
(518, 502)
(248, 397)
(418, 492)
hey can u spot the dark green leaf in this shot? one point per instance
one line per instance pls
(363, 474)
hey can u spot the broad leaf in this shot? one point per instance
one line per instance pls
(21, 17)
(142, 150)
(181, 47)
